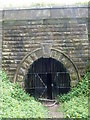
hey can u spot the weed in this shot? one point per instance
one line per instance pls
(75, 103)
(17, 104)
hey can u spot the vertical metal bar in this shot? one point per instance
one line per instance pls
(57, 80)
(35, 84)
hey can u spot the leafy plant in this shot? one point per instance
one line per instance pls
(77, 107)
(80, 89)
(17, 104)
(75, 103)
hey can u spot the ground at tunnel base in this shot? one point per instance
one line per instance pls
(53, 110)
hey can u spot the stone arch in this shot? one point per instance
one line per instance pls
(59, 55)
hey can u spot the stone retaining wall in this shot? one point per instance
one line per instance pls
(64, 29)
(0, 39)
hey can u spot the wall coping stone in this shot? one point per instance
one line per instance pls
(45, 13)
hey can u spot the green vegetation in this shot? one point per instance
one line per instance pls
(75, 103)
(17, 104)
(53, 4)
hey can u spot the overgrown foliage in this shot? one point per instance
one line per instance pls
(75, 103)
(53, 4)
(17, 104)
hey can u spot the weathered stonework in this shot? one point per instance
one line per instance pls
(64, 29)
(0, 39)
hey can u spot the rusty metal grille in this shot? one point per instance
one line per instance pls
(46, 82)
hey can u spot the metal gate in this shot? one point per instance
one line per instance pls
(47, 78)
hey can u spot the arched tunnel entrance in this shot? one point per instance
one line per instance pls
(47, 78)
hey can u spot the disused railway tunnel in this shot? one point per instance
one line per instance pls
(47, 78)
(45, 50)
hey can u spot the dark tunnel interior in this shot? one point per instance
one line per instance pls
(47, 78)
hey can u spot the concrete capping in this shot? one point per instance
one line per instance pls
(45, 13)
